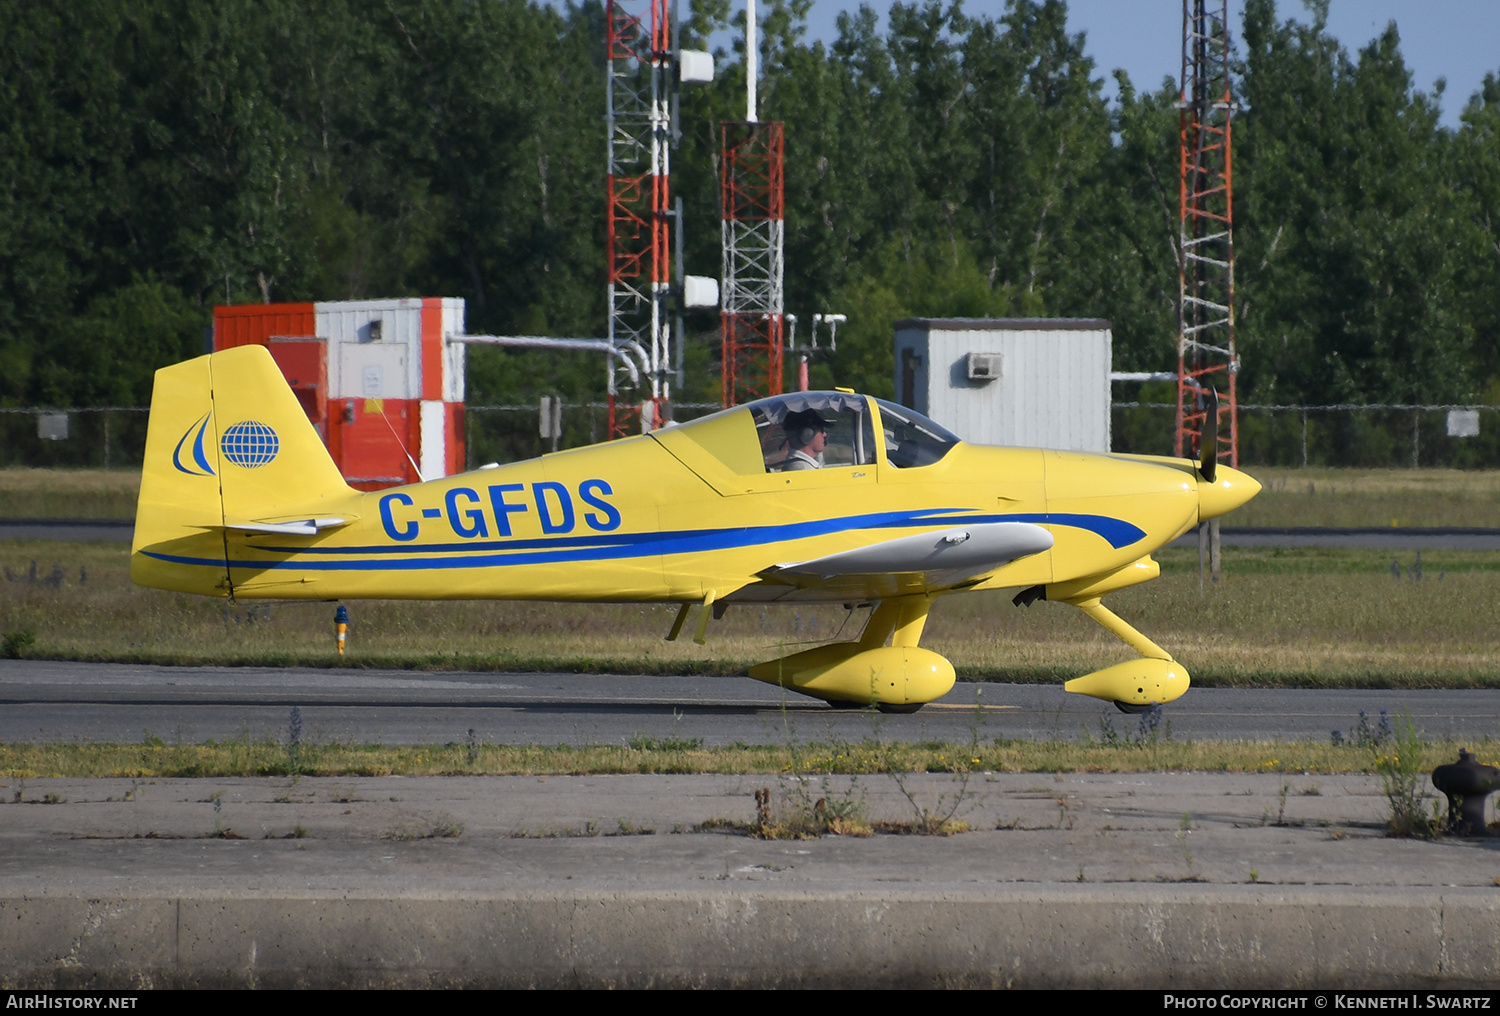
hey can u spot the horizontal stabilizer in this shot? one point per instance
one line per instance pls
(299, 527)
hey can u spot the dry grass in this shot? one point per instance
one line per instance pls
(1280, 617)
(20, 762)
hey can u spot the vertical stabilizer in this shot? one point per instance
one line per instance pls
(227, 444)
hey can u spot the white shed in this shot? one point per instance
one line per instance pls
(1023, 382)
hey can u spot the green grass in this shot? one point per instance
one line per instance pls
(1372, 497)
(69, 493)
(1304, 617)
(19, 762)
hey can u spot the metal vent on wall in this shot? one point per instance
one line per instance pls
(984, 366)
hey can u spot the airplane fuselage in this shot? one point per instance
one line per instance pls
(632, 521)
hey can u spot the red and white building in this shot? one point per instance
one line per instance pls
(378, 379)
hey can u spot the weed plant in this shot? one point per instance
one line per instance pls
(941, 818)
(1365, 736)
(1150, 730)
(1403, 777)
(791, 814)
(294, 742)
(14, 644)
(799, 811)
(643, 743)
(1183, 829)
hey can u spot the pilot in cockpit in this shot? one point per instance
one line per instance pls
(807, 436)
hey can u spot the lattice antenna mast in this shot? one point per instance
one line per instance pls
(1206, 353)
(752, 236)
(639, 65)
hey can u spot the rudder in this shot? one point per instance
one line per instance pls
(272, 464)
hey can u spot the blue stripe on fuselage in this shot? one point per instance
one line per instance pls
(615, 546)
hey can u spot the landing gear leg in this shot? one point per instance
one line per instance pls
(900, 620)
(1112, 623)
(1137, 685)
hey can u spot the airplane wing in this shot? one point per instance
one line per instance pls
(927, 562)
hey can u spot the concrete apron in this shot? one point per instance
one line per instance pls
(1092, 880)
(1031, 937)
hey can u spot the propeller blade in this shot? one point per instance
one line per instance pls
(1208, 442)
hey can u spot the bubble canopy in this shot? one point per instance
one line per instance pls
(784, 423)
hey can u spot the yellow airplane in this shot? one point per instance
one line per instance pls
(806, 497)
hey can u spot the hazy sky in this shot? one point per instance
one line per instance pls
(1454, 39)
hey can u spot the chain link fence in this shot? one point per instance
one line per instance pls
(109, 437)
(1375, 437)
(1365, 436)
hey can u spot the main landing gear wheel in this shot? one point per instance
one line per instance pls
(909, 707)
(1133, 709)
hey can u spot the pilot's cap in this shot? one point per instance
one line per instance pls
(801, 426)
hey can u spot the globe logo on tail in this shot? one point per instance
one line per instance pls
(249, 443)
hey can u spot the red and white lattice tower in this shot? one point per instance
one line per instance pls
(1206, 353)
(752, 233)
(639, 67)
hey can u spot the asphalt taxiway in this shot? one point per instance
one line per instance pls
(47, 701)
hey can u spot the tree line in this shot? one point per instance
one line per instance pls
(163, 156)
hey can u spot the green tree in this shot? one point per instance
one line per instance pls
(1347, 212)
(61, 156)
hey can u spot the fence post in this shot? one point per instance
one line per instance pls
(1202, 552)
